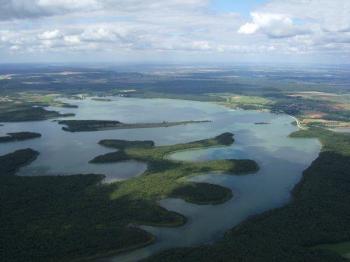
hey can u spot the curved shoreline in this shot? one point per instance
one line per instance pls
(242, 222)
(171, 153)
(117, 251)
(298, 123)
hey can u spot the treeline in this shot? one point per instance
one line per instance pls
(63, 218)
(19, 136)
(318, 214)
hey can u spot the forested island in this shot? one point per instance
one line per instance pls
(88, 219)
(78, 217)
(99, 125)
(318, 215)
(19, 136)
(12, 112)
(10, 163)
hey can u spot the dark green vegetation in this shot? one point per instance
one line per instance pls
(319, 214)
(331, 141)
(10, 163)
(69, 218)
(202, 193)
(166, 178)
(98, 125)
(122, 144)
(12, 112)
(19, 136)
(342, 249)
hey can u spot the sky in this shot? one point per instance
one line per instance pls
(175, 31)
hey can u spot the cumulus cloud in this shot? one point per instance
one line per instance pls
(21, 9)
(329, 15)
(49, 35)
(72, 39)
(273, 25)
(172, 26)
(102, 34)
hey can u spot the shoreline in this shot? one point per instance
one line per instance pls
(298, 123)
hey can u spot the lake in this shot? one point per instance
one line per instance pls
(281, 159)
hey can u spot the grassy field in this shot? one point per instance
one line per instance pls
(43, 99)
(247, 102)
(319, 214)
(331, 142)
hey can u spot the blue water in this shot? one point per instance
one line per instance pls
(281, 159)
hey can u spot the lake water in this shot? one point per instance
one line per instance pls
(281, 159)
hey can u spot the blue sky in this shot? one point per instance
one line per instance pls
(244, 7)
(175, 31)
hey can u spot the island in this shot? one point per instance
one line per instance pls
(12, 112)
(100, 125)
(101, 99)
(19, 136)
(10, 163)
(165, 177)
(103, 218)
(314, 225)
(262, 123)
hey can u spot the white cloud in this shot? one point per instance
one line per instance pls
(330, 15)
(68, 4)
(248, 28)
(100, 34)
(21, 9)
(72, 39)
(174, 26)
(273, 25)
(15, 48)
(201, 45)
(49, 35)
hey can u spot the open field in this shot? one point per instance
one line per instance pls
(247, 102)
(44, 99)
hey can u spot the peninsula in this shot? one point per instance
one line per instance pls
(100, 125)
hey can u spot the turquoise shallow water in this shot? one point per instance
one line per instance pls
(281, 159)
